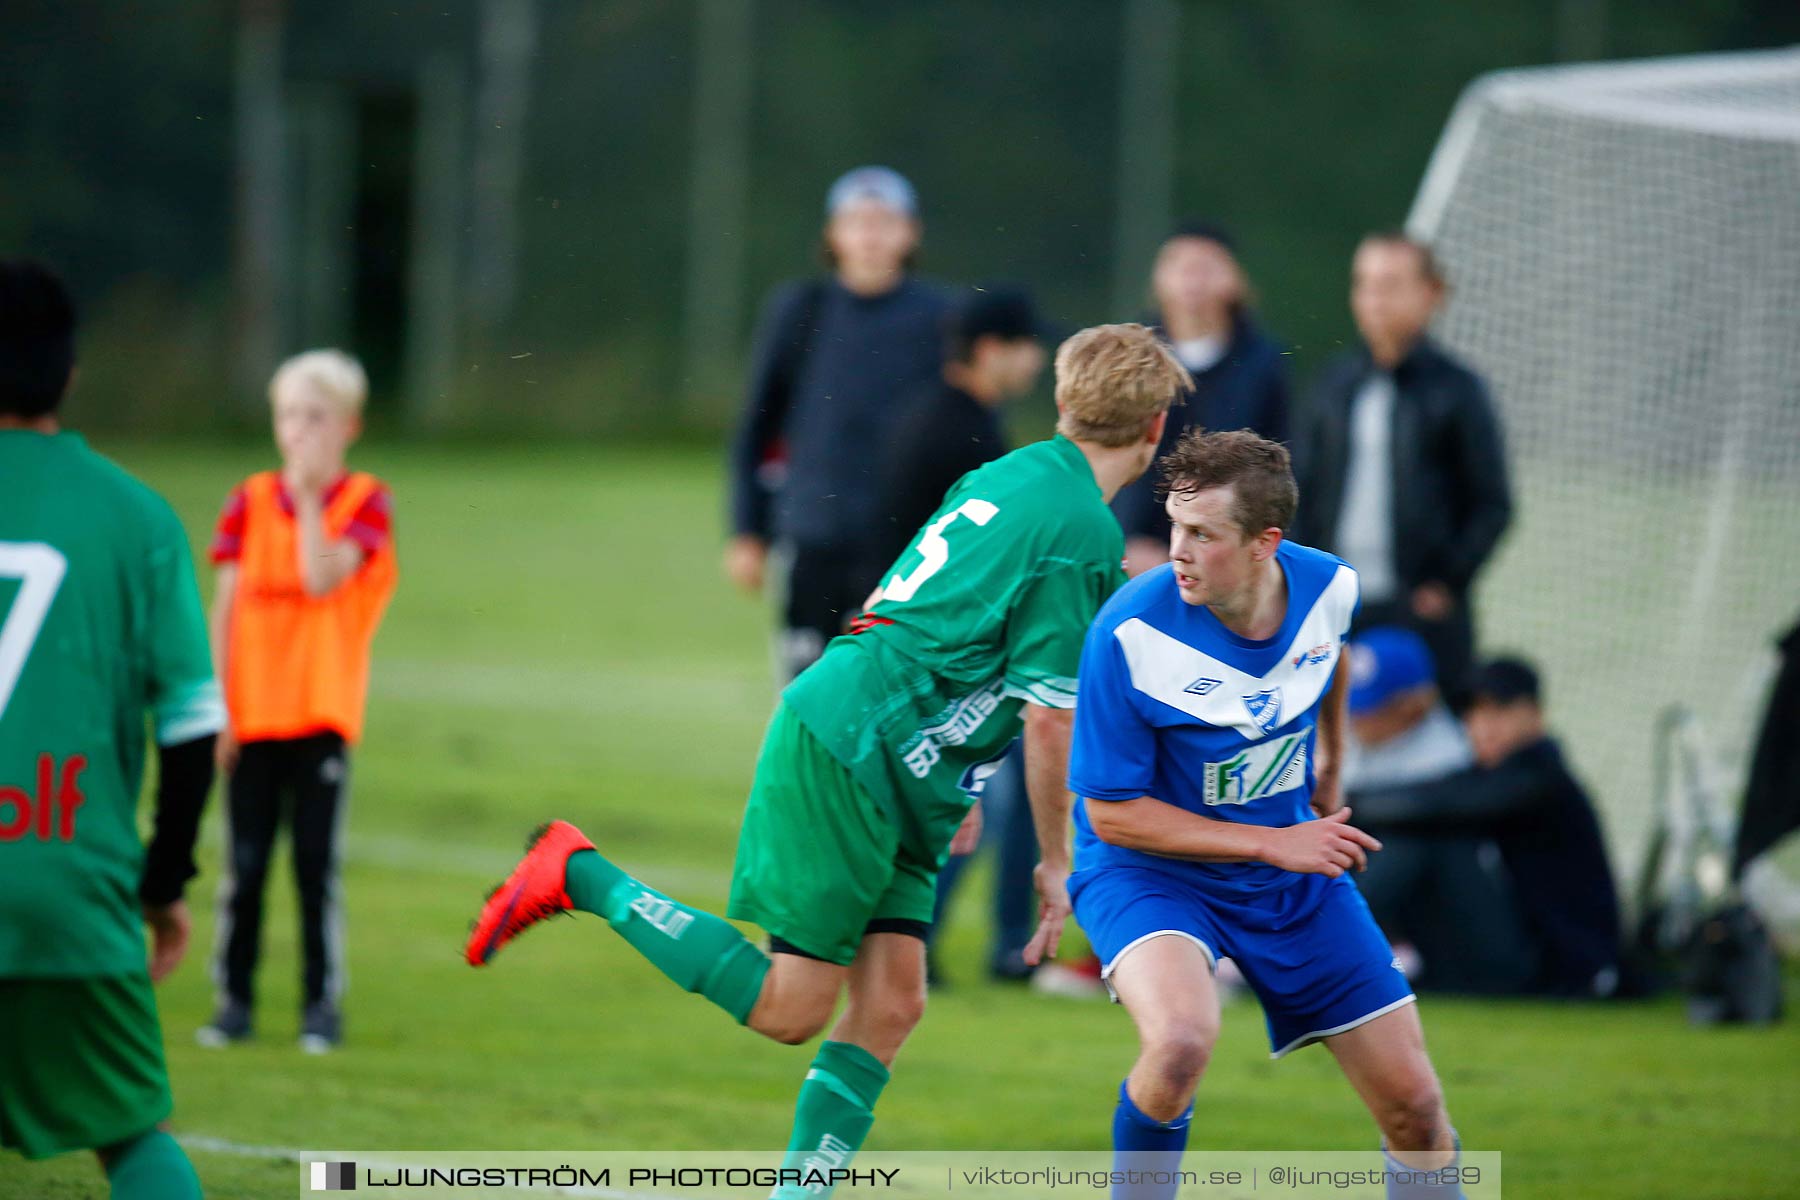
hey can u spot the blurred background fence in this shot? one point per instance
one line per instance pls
(558, 215)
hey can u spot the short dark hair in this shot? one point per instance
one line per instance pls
(1208, 231)
(37, 338)
(1260, 471)
(995, 310)
(1429, 266)
(1507, 681)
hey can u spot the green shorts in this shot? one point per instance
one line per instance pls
(818, 861)
(81, 1063)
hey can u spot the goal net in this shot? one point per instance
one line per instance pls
(1623, 245)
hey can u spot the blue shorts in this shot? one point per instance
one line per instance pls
(1310, 951)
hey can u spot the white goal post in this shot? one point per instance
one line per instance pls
(1622, 242)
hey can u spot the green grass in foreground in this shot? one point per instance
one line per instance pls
(561, 646)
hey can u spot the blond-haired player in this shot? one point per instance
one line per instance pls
(305, 559)
(878, 750)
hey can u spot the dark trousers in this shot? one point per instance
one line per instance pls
(824, 590)
(1007, 827)
(1453, 900)
(306, 782)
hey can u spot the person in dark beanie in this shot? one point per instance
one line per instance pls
(1401, 467)
(1203, 302)
(833, 359)
(993, 349)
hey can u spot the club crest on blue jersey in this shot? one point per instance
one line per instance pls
(1265, 708)
(1201, 687)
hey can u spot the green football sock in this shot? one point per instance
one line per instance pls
(834, 1113)
(154, 1167)
(700, 952)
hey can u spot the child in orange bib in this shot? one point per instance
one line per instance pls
(305, 559)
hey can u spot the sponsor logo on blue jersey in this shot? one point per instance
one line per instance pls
(1315, 656)
(1201, 687)
(1263, 769)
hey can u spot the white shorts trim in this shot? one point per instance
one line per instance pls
(1307, 1039)
(1212, 961)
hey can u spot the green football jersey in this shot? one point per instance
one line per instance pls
(987, 610)
(100, 624)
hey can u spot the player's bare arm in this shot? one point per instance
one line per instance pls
(1328, 846)
(1328, 794)
(1047, 735)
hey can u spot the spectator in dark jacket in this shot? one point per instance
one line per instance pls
(1203, 310)
(1400, 464)
(1523, 798)
(833, 359)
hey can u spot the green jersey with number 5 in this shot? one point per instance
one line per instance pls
(100, 627)
(987, 610)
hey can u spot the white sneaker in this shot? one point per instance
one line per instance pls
(1054, 979)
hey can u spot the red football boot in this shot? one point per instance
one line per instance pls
(536, 889)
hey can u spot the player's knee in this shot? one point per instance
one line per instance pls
(888, 1014)
(793, 1028)
(906, 1008)
(1411, 1116)
(793, 1019)
(1180, 1056)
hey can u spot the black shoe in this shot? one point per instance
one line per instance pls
(321, 1028)
(231, 1023)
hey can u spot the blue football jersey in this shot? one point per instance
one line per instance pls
(1174, 705)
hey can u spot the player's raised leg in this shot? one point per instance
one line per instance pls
(816, 862)
(1165, 982)
(786, 997)
(1386, 1062)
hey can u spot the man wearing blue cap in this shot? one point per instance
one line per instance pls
(1402, 732)
(833, 360)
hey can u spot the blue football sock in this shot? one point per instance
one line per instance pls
(1414, 1184)
(1147, 1146)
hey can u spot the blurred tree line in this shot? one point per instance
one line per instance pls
(559, 215)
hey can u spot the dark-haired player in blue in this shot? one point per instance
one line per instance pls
(1208, 729)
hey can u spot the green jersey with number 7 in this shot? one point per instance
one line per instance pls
(987, 610)
(99, 622)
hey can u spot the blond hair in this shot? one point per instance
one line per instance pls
(1112, 381)
(332, 373)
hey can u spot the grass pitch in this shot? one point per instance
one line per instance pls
(561, 645)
